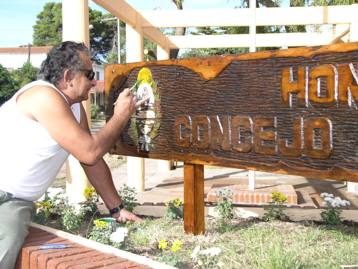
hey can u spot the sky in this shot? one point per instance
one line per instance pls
(18, 16)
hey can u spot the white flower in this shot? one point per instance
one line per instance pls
(334, 201)
(214, 251)
(195, 252)
(325, 194)
(119, 235)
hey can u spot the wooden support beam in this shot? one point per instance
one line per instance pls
(243, 16)
(130, 16)
(194, 198)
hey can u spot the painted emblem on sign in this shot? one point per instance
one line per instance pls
(145, 124)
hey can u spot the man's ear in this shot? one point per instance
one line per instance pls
(67, 76)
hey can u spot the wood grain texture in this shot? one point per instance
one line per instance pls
(194, 221)
(292, 111)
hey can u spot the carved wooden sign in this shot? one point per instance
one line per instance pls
(292, 111)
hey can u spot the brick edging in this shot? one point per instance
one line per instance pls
(103, 248)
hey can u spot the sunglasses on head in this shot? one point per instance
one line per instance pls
(89, 73)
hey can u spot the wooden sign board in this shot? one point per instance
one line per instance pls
(290, 111)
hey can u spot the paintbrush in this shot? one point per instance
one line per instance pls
(131, 89)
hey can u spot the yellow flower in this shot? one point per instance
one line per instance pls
(100, 224)
(278, 197)
(162, 244)
(177, 244)
(177, 202)
(43, 205)
(88, 193)
(144, 75)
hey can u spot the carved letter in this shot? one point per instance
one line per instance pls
(220, 132)
(318, 146)
(315, 87)
(295, 149)
(346, 90)
(288, 87)
(201, 132)
(262, 137)
(183, 131)
(240, 126)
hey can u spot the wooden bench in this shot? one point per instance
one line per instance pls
(287, 111)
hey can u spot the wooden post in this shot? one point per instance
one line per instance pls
(194, 221)
(135, 166)
(353, 36)
(252, 6)
(75, 28)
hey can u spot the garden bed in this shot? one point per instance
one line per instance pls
(227, 242)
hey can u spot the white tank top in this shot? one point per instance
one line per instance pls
(30, 158)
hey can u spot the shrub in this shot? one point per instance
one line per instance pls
(224, 206)
(174, 209)
(129, 197)
(274, 211)
(207, 258)
(332, 215)
(72, 219)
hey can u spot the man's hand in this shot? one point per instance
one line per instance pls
(127, 103)
(125, 215)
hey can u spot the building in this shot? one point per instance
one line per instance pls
(14, 58)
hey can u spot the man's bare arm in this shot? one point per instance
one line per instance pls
(46, 106)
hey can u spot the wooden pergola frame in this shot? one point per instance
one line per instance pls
(147, 24)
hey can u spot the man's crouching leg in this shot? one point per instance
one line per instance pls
(15, 218)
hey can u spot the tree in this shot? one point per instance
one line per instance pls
(48, 27)
(48, 30)
(7, 85)
(26, 74)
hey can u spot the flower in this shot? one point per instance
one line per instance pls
(214, 251)
(177, 244)
(195, 252)
(100, 224)
(89, 192)
(334, 202)
(119, 235)
(177, 202)
(162, 244)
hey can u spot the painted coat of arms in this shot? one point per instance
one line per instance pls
(146, 121)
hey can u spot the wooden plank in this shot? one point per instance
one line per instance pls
(126, 13)
(291, 111)
(194, 222)
(243, 16)
(243, 40)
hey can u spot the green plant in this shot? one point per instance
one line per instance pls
(72, 219)
(129, 197)
(274, 211)
(101, 232)
(51, 207)
(207, 258)
(224, 206)
(332, 215)
(94, 111)
(174, 209)
(90, 205)
(170, 252)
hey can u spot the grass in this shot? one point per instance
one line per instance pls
(251, 244)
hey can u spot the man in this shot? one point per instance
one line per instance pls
(43, 123)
